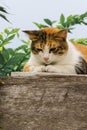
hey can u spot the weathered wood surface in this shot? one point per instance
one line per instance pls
(43, 102)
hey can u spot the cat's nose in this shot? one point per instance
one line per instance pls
(46, 58)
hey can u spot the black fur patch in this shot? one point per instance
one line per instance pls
(81, 67)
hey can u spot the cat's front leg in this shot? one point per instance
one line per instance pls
(40, 68)
(61, 69)
(52, 69)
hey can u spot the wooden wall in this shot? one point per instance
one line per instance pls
(43, 101)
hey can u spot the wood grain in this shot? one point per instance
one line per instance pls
(43, 101)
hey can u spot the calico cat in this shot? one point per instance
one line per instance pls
(51, 52)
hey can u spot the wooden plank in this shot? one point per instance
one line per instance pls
(43, 101)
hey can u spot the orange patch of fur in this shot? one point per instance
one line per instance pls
(26, 68)
(82, 49)
(39, 46)
(50, 30)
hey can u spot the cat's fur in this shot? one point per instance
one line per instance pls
(51, 52)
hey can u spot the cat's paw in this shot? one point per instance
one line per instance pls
(51, 68)
(40, 68)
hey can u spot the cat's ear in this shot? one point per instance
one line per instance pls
(33, 34)
(61, 34)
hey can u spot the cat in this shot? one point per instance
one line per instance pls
(52, 52)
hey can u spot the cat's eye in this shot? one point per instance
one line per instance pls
(53, 49)
(38, 49)
(57, 49)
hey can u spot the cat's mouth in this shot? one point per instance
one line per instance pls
(49, 63)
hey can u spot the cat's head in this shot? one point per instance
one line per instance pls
(48, 44)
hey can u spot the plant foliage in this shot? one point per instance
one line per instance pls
(65, 23)
(3, 13)
(12, 59)
(80, 41)
(48, 23)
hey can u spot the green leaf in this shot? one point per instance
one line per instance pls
(2, 61)
(4, 17)
(62, 19)
(1, 37)
(6, 31)
(82, 16)
(81, 41)
(22, 48)
(60, 27)
(11, 31)
(2, 9)
(48, 21)
(68, 21)
(84, 23)
(53, 21)
(11, 51)
(1, 48)
(26, 42)
(14, 30)
(8, 39)
(15, 59)
(3, 73)
(40, 25)
(5, 54)
(18, 35)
